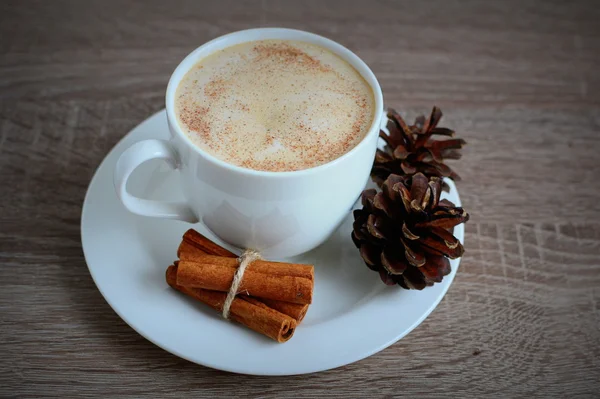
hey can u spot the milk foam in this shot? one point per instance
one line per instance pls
(274, 105)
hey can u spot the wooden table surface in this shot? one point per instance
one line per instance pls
(518, 80)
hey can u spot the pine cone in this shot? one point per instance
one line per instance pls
(410, 149)
(404, 231)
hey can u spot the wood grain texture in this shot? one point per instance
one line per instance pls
(517, 79)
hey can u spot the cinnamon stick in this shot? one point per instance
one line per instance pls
(216, 273)
(245, 310)
(202, 243)
(195, 244)
(294, 310)
(189, 252)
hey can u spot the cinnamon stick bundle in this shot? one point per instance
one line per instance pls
(195, 244)
(273, 296)
(245, 310)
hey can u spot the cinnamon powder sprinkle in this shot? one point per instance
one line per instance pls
(290, 55)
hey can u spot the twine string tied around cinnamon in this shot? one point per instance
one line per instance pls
(245, 259)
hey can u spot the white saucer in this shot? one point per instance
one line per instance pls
(353, 314)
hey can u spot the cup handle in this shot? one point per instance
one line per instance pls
(133, 157)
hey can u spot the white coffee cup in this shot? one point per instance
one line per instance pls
(280, 214)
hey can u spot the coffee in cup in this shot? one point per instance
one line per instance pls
(274, 105)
